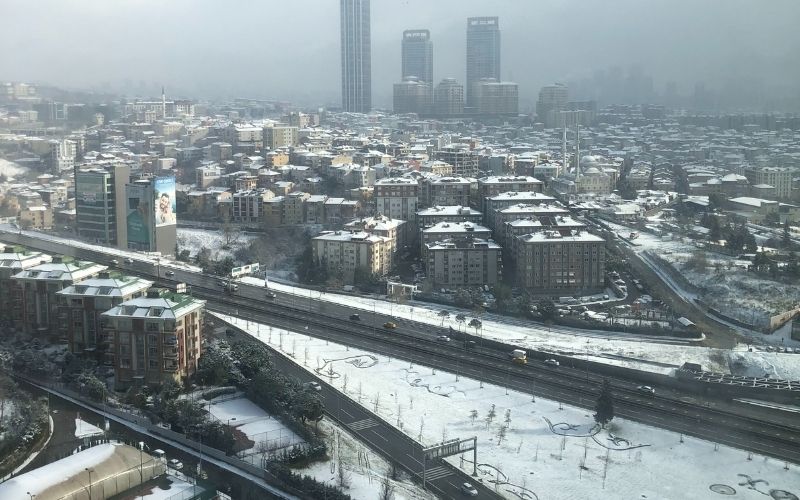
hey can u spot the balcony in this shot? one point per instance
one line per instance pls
(170, 352)
(170, 340)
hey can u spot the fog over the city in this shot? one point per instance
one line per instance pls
(746, 50)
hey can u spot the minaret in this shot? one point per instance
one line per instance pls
(163, 103)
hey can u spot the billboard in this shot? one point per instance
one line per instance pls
(140, 211)
(164, 188)
(89, 188)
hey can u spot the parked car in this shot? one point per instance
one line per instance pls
(646, 389)
(114, 262)
(176, 464)
(355, 317)
(551, 362)
(469, 490)
(314, 386)
(389, 325)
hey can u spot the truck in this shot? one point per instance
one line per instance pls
(518, 356)
(633, 235)
(230, 287)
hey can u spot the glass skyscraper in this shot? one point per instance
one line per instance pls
(356, 56)
(483, 53)
(417, 55)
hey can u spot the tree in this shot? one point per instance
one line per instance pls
(716, 201)
(460, 319)
(698, 261)
(473, 415)
(476, 324)
(503, 296)
(547, 309)
(387, 489)
(444, 313)
(792, 265)
(760, 262)
(604, 408)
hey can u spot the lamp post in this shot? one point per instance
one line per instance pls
(31, 495)
(141, 465)
(89, 470)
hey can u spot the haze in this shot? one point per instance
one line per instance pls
(289, 50)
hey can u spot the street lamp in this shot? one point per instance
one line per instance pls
(89, 470)
(141, 465)
(231, 419)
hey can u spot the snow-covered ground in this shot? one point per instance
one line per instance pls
(85, 429)
(365, 469)
(177, 486)
(536, 448)
(258, 425)
(726, 284)
(11, 169)
(654, 354)
(195, 240)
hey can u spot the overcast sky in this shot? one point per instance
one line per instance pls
(290, 49)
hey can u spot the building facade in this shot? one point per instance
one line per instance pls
(100, 205)
(153, 338)
(347, 255)
(483, 52)
(417, 55)
(468, 262)
(448, 98)
(356, 56)
(548, 263)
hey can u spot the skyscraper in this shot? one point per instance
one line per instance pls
(356, 56)
(483, 52)
(418, 55)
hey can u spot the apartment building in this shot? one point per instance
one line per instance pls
(397, 197)
(446, 191)
(549, 263)
(40, 285)
(778, 177)
(12, 262)
(452, 231)
(294, 207)
(463, 159)
(467, 262)
(381, 225)
(347, 254)
(248, 206)
(82, 304)
(497, 184)
(430, 216)
(279, 136)
(153, 338)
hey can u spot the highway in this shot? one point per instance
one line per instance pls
(760, 430)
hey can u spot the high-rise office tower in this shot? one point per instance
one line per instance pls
(448, 98)
(418, 55)
(483, 52)
(356, 56)
(552, 101)
(100, 204)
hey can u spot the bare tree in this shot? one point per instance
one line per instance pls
(473, 415)
(343, 477)
(501, 434)
(387, 489)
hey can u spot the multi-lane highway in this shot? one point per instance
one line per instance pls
(760, 430)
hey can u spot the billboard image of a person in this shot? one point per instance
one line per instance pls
(165, 201)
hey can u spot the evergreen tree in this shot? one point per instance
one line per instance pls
(604, 408)
(787, 235)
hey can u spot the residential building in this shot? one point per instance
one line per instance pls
(548, 263)
(356, 55)
(452, 231)
(417, 55)
(397, 197)
(279, 136)
(446, 191)
(82, 304)
(12, 262)
(483, 52)
(293, 207)
(381, 225)
(39, 285)
(38, 217)
(431, 216)
(468, 262)
(778, 177)
(247, 206)
(497, 184)
(552, 102)
(352, 256)
(153, 338)
(499, 216)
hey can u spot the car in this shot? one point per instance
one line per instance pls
(176, 464)
(470, 344)
(646, 389)
(443, 338)
(355, 317)
(551, 362)
(170, 273)
(390, 325)
(271, 295)
(469, 490)
(314, 386)
(114, 262)
(129, 261)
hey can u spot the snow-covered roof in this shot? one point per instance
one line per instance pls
(165, 306)
(456, 227)
(448, 210)
(120, 286)
(59, 271)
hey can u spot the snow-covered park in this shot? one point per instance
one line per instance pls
(655, 354)
(195, 240)
(534, 448)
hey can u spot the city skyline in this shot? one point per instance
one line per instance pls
(211, 67)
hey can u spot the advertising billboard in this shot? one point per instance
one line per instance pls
(89, 188)
(165, 201)
(140, 211)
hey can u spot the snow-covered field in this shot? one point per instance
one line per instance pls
(538, 449)
(176, 490)
(258, 425)
(195, 240)
(654, 354)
